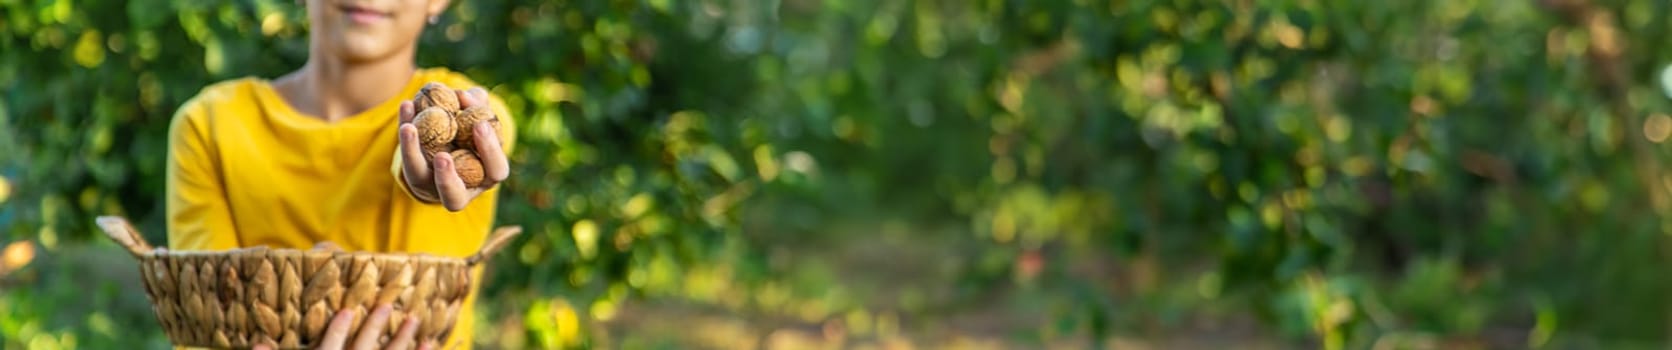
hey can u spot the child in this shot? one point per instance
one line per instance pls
(327, 153)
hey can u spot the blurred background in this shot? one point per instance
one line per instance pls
(793, 174)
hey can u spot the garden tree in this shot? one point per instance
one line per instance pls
(1345, 172)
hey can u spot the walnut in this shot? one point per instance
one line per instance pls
(438, 96)
(469, 167)
(435, 130)
(467, 120)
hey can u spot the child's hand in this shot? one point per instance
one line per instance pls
(439, 182)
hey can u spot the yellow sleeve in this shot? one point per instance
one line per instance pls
(198, 215)
(507, 125)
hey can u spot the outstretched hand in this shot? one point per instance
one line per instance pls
(437, 181)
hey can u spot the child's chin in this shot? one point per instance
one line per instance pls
(356, 48)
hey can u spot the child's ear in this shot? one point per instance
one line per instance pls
(437, 6)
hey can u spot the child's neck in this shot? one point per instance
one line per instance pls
(334, 90)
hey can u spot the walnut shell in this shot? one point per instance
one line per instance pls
(435, 130)
(469, 167)
(467, 119)
(438, 96)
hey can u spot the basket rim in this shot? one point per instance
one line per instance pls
(288, 252)
(119, 230)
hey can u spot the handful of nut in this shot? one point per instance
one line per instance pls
(443, 127)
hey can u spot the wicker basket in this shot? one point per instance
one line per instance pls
(244, 297)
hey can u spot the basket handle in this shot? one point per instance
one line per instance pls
(500, 237)
(119, 230)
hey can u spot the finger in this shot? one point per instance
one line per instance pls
(327, 246)
(337, 333)
(413, 165)
(264, 342)
(409, 139)
(404, 338)
(429, 345)
(407, 112)
(481, 95)
(472, 97)
(495, 165)
(448, 185)
(373, 328)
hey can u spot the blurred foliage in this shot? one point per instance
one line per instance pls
(1338, 173)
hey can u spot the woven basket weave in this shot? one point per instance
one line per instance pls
(243, 297)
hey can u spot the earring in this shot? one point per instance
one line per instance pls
(434, 19)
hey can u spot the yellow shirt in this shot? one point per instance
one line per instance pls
(244, 169)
